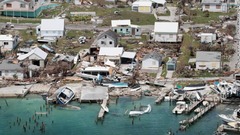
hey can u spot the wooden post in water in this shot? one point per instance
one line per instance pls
(6, 102)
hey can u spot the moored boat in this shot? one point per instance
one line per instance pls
(137, 113)
(181, 106)
(65, 95)
(235, 117)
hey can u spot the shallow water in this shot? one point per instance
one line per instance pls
(71, 122)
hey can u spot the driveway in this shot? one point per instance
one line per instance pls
(172, 16)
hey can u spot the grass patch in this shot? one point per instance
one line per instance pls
(213, 16)
(19, 20)
(186, 83)
(164, 71)
(153, 75)
(107, 14)
(165, 14)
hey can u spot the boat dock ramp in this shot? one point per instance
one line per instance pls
(102, 111)
(14, 91)
(186, 123)
(193, 106)
(162, 95)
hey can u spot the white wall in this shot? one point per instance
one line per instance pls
(213, 8)
(107, 41)
(165, 37)
(209, 65)
(51, 33)
(11, 45)
(209, 38)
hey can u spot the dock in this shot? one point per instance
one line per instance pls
(224, 127)
(193, 106)
(162, 95)
(14, 91)
(102, 111)
(187, 122)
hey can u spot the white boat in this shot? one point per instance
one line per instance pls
(65, 95)
(105, 108)
(235, 117)
(181, 106)
(205, 103)
(194, 87)
(137, 113)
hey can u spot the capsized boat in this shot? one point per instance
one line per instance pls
(181, 106)
(105, 108)
(65, 95)
(137, 113)
(235, 125)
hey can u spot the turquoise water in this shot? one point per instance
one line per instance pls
(72, 122)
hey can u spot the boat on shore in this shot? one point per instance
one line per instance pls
(181, 106)
(137, 113)
(65, 95)
(105, 108)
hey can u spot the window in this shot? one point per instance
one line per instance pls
(218, 6)
(120, 29)
(126, 29)
(9, 5)
(202, 65)
(110, 42)
(22, 5)
(115, 30)
(103, 42)
(170, 35)
(207, 6)
(105, 36)
(137, 30)
(5, 43)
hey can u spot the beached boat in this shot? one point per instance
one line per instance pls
(195, 87)
(135, 87)
(181, 106)
(235, 125)
(65, 95)
(137, 113)
(235, 117)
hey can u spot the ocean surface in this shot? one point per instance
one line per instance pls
(17, 117)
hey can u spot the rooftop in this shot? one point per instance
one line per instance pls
(207, 56)
(116, 23)
(153, 55)
(37, 51)
(111, 51)
(9, 65)
(6, 37)
(212, 1)
(166, 27)
(52, 24)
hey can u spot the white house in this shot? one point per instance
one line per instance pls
(207, 37)
(215, 5)
(166, 32)
(50, 29)
(110, 54)
(125, 28)
(152, 61)
(208, 60)
(106, 39)
(233, 2)
(10, 70)
(8, 42)
(35, 57)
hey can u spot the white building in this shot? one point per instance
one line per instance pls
(207, 37)
(142, 6)
(208, 60)
(125, 28)
(50, 29)
(166, 32)
(152, 61)
(8, 42)
(215, 5)
(110, 54)
(10, 70)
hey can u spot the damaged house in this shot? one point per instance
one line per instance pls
(8, 42)
(125, 28)
(110, 54)
(10, 70)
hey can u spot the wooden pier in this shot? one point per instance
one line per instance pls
(193, 106)
(102, 111)
(186, 123)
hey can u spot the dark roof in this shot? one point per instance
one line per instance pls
(8, 65)
(108, 33)
(153, 55)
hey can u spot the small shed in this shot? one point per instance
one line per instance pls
(171, 64)
(208, 37)
(152, 61)
(128, 57)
